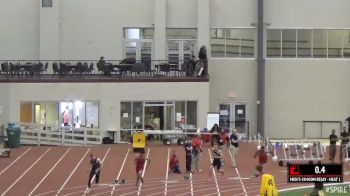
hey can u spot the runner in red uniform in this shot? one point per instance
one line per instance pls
(140, 163)
(262, 161)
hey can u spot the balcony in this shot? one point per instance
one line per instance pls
(127, 70)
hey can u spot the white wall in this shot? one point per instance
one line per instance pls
(233, 13)
(4, 106)
(181, 13)
(238, 76)
(298, 90)
(19, 29)
(109, 95)
(308, 13)
(91, 29)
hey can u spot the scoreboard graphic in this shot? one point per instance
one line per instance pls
(327, 173)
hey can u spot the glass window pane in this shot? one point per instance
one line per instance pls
(304, 43)
(191, 114)
(147, 33)
(130, 50)
(146, 52)
(232, 42)
(66, 113)
(180, 114)
(188, 49)
(247, 43)
(51, 114)
(346, 44)
(26, 110)
(217, 42)
(79, 114)
(39, 112)
(273, 43)
(335, 39)
(320, 43)
(180, 33)
(137, 112)
(289, 43)
(173, 52)
(92, 114)
(125, 115)
(132, 33)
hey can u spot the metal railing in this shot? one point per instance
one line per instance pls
(93, 69)
(37, 134)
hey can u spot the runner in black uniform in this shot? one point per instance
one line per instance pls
(96, 165)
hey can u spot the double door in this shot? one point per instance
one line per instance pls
(233, 116)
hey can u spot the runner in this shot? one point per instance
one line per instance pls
(96, 165)
(140, 163)
(262, 161)
(217, 160)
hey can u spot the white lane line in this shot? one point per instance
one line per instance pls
(26, 171)
(191, 183)
(167, 173)
(143, 172)
(49, 171)
(15, 160)
(93, 177)
(120, 171)
(216, 180)
(64, 184)
(239, 176)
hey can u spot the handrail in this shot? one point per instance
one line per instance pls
(33, 133)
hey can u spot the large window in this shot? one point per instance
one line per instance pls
(307, 43)
(232, 42)
(181, 44)
(60, 114)
(138, 44)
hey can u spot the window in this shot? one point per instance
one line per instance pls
(273, 39)
(232, 42)
(57, 114)
(46, 3)
(304, 42)
(138, 44)
(308, 43)
(289, 43)
(181, 44)
(320, 43)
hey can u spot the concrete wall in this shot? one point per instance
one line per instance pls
(110, 95)
(308, 14)
(19, 34)
(298, 90)
(181, 13)
(228, 13)
(238, 76)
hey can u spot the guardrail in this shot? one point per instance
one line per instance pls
(36, 134)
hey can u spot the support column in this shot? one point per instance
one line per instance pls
(203, 17)
(49, 36)
(160, 30)
(261, 71)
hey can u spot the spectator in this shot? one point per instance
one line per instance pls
(214, 131)
(188, 150)
(174, 164)
(191, 65)
(344, 136)
(203, 61)
(197, 153)
(234, 148)
(333, 138)
(223, 141)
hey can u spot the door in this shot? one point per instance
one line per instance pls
(233, 116)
